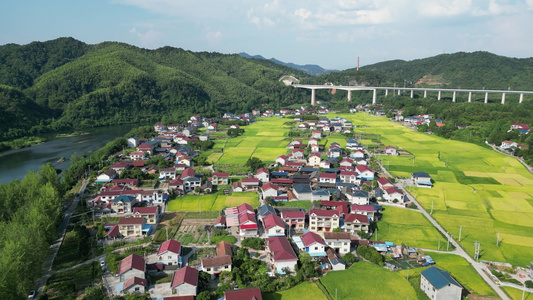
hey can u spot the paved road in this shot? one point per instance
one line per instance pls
(497, 149)
(47, 266)
(479, 267)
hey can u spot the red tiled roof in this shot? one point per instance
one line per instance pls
(282, 181)
(362, 208)
(132, 261)
(282, 156)
(130, 221)
(262, 170)
(247, 218)
(152, 210)
(333, 203)
(393, 190)
(133, 281)
(384, 181)
(221, 174)
(224, 248)
(120, 165)
(293, 214)
(245, 207)
(216, 261)
(113, 232)
(348, 173)
(185, 275)
(281, 249)
(329, 235)
(272, 221)
(250, 180)
(324, 213)
(220, 220)
(356, 217)
(362, 168)
(269, 185)
(390, 147)
(187, 173)
(169, 245)
(328, 175)
(243, 294)
(126, 181)
(176, 182)
(310, 238)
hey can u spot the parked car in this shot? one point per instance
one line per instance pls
(31, 295)
(102, 263)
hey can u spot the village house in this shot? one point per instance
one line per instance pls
(337, 264)
(328, 178)
(250, 184)
(265, 210)
(263, 175)
(216, 265)
(133, 142)
(269, 190)
(150, 214)
(393, 193)
(106, 176)
(438, 284)
(281, 254)
(133, 285)
(243, 294)
(390, 150)
(349, 177)
(281, 160)
(273, 225)
(294, 219)
(131, 227)
(169, 253)
(131, 266)
(338, 241)
(353, 223)
(521, 127)
(364, 172)
(509, 145)
(323, 220)
(311, 243)
(247, 225)
(357, 154)
(224, 248)
(184, 282)
(123, 204)
(120, 166)
(384, 183)
(167, 173)
(317, 134)
(314, 159)
(353, 144)
(220, 178)
(359, 197)
(367, 210)
(422, 179)
(303, 192)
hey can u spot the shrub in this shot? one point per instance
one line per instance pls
(254, 243)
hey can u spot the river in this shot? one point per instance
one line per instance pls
(14, 164)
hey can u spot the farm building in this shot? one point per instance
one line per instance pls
(438, 284)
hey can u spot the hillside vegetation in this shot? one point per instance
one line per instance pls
(65, 83)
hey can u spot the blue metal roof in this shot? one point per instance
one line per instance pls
(439, 278)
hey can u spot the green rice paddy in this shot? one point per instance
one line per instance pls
(212, 202)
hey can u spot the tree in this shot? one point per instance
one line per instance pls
(338, 229)
(254, 164)
(349, 259)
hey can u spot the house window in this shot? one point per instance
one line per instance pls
(316, 248)
(345, 243)
(208, 269)
(137, 289)
(170, 257)
(312, 228)
(225, 267)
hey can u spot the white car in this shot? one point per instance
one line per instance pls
(102, 263)
(31, 295)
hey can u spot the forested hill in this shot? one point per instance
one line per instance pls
(63, 83)
(465, 70)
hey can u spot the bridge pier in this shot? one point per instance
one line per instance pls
(374, 96)
(503, 98)
(486, 97)
(453, 97)
(469, 96)
(521, 98)
(412, 94)
(349, 95)
(313, 97)
(386, 92)
(425, 93)
(439, 96)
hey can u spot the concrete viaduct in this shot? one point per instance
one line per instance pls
(375, 89)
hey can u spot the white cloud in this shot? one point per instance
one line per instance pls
(149, 39)
(440, 8)
(304, 13)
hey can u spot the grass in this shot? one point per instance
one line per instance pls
(70, 284)
(516, 294)
(212, 202)
(366, 279)
(460, 269)
(483, 191)
(301, 204)
(303, 291)
(409, 227)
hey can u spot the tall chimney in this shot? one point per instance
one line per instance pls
(358, 64)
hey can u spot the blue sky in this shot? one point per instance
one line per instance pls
(330, 33)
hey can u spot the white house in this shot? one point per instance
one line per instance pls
(314, 159)
(348, 177)
(339, 241)
(312, 243)
(438, 284)
(360, 197)
(270, 190)
(184, 282)
(364, 172)
(263, 175)
(281, 160)
(353, 223)
(393, 193)
(281, 254)
(273, 225)
(390, 150)
(169, 253)
(422, 179)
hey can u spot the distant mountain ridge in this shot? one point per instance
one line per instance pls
(309, 68)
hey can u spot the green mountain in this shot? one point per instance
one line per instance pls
(66, 83)
(465, 70)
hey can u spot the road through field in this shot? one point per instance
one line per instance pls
(479, 267)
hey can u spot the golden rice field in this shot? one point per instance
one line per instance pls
(483, 191)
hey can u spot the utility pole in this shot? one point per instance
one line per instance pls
(477, 246)
(431, 213)
(438, 248)
(448, 242)
(408, 273)
(498, 239)
(460, 229)
(167, 232)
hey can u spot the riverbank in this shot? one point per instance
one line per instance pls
(21, 143)
(76, 133)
